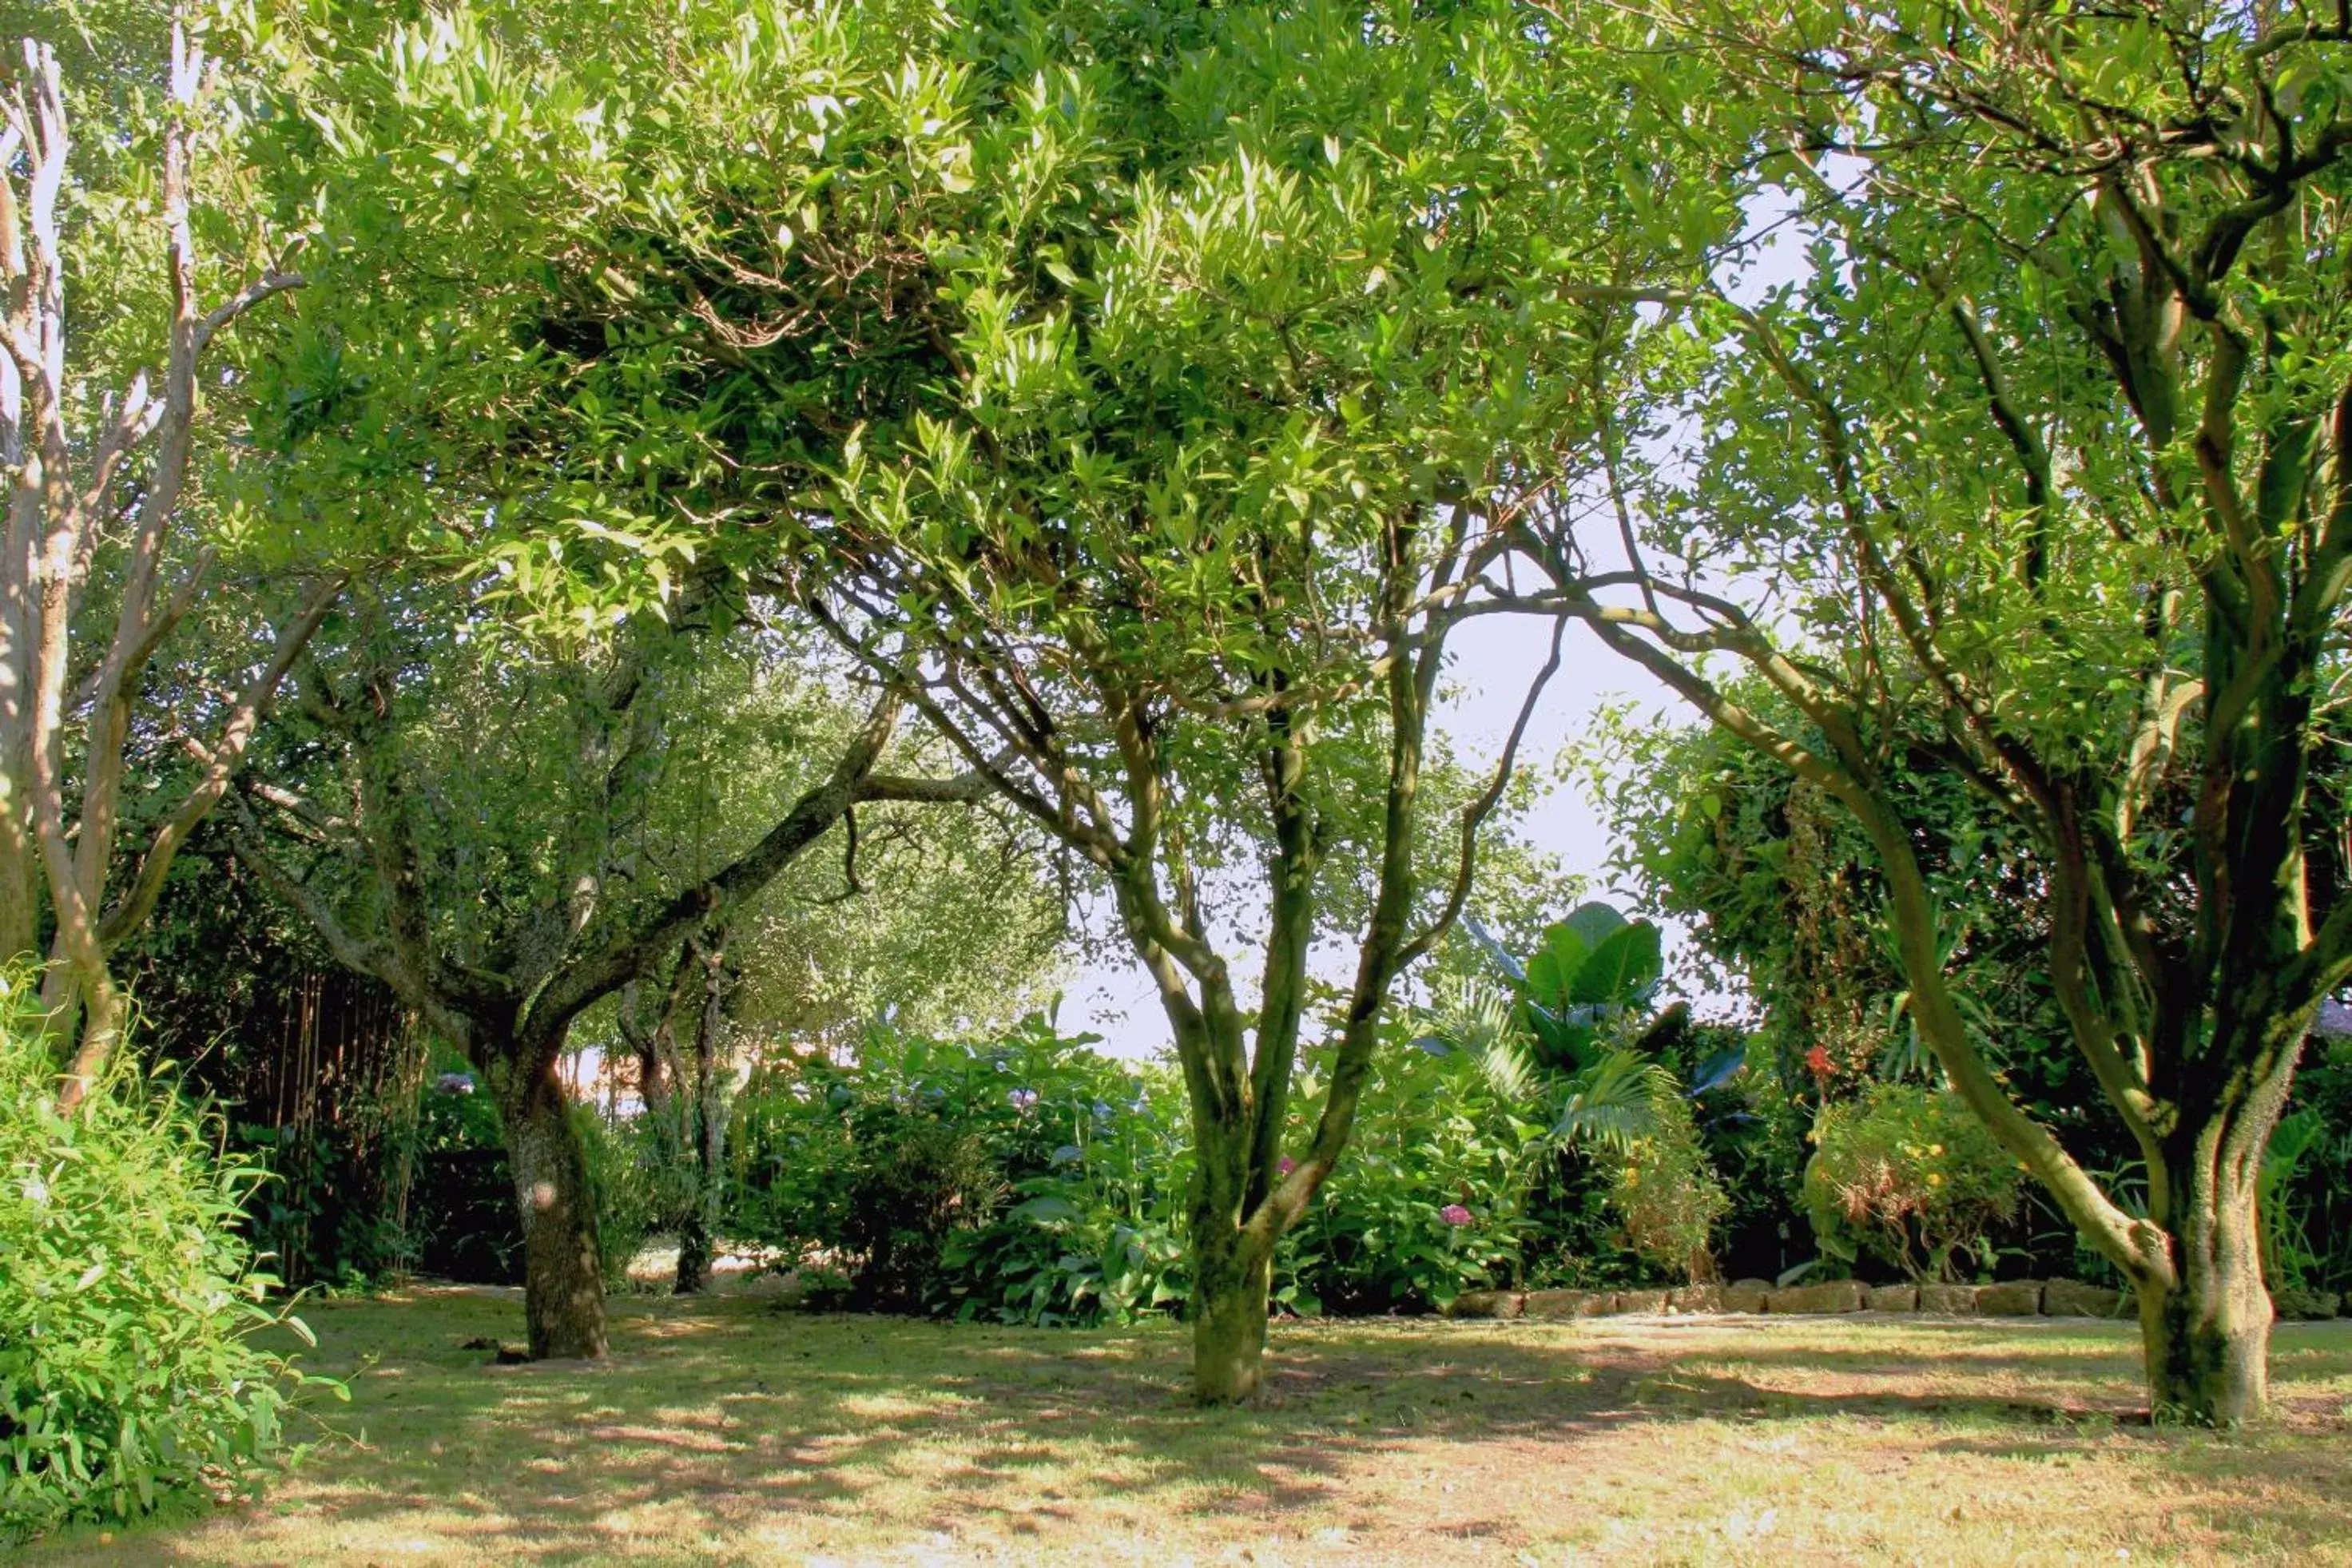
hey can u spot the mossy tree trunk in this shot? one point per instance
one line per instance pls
(2206, 1339)
(2205, 1321)
(1231, 1274)
(563, 1278)
(704, 1094)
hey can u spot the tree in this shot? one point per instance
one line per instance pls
(2046, 457)
(921, 919)
(1146, 408)
(99, 542)
(473, 839)
(1230, 451)
(488, 377)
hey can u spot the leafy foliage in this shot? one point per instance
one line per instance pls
(2307, 1201)
(1914, 1174)
(638, 1188)
(1786, 900)
(1022, 1179)
(1667, 1194)
(1579, 1047)
(129, 1302)
(1026, 1179)
(1451, 1143)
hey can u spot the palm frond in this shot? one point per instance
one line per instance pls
(1613, 1101)
(1476, 1021)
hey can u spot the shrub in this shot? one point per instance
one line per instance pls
(639, 1182)
(128, 1302)
(1430, 1199)
(1667, 1195)
(1023, 1179)
(2306, 1207)
(460, 1219)
(1912, 1172)
(918, 1182)
(1027, 1179)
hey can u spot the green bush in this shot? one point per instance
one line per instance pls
(1097, 1167)
(128, 1299)
(1912, 1174)
(637, 1182)
(2306, 1204)
(1431, 1198)
(1027, 1179)
(1667, 1195)
(460, 1221)
(1023, 1179)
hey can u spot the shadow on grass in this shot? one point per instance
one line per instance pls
(752, 1412)
(1906, 1346)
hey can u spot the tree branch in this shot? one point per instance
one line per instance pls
(577, 984)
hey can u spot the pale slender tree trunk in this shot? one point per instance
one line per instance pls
(563, 1276)
(118, 478)
(21, 891)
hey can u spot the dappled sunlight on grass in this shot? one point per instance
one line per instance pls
(729, 1429)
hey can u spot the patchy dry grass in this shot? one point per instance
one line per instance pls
(728, 1430)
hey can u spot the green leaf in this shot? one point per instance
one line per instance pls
(1553, 970)
(1595, 922)
(1621, 969)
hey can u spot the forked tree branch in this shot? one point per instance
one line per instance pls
(223, 759)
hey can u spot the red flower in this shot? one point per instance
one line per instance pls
(1817, 1062)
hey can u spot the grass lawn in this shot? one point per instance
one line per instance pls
(729, 1430)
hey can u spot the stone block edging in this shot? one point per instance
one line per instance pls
(2016, 1297)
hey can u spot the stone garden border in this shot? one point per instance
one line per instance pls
(2016, 1299)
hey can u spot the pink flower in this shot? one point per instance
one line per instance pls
(1455, 1214)
(1817, 1062)
(1286, 1165)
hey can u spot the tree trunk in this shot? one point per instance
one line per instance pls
(706, 1120)
(2207, 1337)
(706, 1133)
(693, 1255)
(653, 1083)
(563, 1278)
(1231, 1276)
(20, 874)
